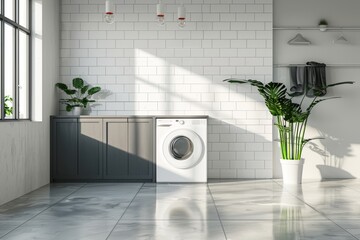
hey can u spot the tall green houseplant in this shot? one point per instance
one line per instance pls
(290, 117)
(79, 96)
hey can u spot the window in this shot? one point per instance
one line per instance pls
(15, 59)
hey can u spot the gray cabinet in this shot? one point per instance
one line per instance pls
(140, 148)
(116, 146)
(64, 164)
(128, 148)
(90, 148)
(95, 148)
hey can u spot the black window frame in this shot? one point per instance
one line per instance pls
(17, 27)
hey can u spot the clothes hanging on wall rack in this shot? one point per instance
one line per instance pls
(316, 79)
(309, 79)
(297, 80)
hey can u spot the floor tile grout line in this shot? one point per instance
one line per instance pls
(351, 188)
(217, 211)
(142, 185)
(51, 205)
(321, 213)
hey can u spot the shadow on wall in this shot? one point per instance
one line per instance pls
(332, 163)
(335, 122)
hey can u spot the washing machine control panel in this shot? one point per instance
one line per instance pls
(170, 122)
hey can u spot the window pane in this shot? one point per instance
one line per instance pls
(9, 71)
(9, 9)
(23, 75)
(24, 13)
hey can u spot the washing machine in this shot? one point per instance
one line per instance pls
(181, 149)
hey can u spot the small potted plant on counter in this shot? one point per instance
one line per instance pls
(79, 96)
(291, 121)
(323, 24)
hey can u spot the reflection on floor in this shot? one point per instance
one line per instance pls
(256, 209)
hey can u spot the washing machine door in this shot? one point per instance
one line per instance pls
(183, 148)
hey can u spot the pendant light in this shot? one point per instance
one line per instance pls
(160, 13)
(109, 16)
(181, 16)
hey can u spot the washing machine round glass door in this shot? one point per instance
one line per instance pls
(183, 148)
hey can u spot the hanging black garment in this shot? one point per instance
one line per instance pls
(297, 80)
(316, 79)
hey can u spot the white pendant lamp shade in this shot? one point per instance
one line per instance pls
(109, 16)
(181, 16)
(160, 13)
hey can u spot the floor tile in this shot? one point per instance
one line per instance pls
(85, 208)
(118, 190)
(351, 226)
(171, 209)
(284, 230)
(176, 201)
(54, 190)
(6, 226)
(313, 210)
(169, 230)
(23, 209)
(61, 230)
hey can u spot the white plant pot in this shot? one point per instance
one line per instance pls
(76, 111)
(292, 171)
(323, 28)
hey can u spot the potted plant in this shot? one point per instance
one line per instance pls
(291, 121)
(79, 96)
(8, 109)
(323, 24)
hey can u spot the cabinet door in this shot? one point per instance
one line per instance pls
(64, 151)
(116, 148)
(140, 148)
(90, 148)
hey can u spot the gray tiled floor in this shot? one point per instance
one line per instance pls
(255, 209)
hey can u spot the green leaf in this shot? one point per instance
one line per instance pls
(69, 107)
(8, 99)
(255, 83)
(84, 89)
(61, 86)
(305, 141)
(85, 102)
(78, 83)
(313, 104)
(94, 90)
(74, 100)
(339, 83)
(70, 91)
(235, 80)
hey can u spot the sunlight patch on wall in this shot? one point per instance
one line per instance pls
(36, 90)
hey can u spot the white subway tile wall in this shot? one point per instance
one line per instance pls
(147, 69)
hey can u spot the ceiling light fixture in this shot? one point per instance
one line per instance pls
(181, 16)
(160, 13)
(109, 16)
